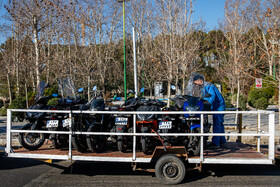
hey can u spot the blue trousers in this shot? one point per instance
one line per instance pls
(218, 127)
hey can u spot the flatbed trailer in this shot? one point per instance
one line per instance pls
(170, 167)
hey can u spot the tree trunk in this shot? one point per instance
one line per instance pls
(9, 87)
(26, 95)
(237, 99)
(279, 106)
(88, 86)
(183, 87)
(36, 44)
(168, 93)
(17, 65)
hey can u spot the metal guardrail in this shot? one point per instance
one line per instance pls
(270, 134)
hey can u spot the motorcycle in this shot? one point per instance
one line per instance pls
(61, 121)
(37, 121)
(124, 123)
(148, 123)
(99, 123)
(191, 123)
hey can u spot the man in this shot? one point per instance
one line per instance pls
(197, 87)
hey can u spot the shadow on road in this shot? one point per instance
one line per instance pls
(257, 170)
(15, 163)
(104, 168)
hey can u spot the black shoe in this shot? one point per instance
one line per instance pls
(213, 146)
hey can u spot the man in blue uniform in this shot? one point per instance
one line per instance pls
(217, 104)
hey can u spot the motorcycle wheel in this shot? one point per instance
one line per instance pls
(120, 143)
(55, 144)
(194, 143)
(31, 141)
(95, 143)
(79, 141)
(144, 145)
(58, 143)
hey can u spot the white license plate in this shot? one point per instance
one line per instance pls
(52, 123)
(66, 122)
(121, 121)
(165, 125)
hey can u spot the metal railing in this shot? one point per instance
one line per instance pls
(270, 134)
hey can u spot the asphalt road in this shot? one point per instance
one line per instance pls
(28, 172)
(18, 172)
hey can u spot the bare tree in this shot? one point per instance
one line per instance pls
(234, 27)
(30, 13)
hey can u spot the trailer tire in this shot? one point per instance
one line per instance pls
(31, 141)
(170, 169)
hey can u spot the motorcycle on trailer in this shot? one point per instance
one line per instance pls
(170, 123)
(37, 121)
(124, 123)
(61, 121)
(148, 123)
(99, 123)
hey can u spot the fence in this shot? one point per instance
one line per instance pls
(267, 160)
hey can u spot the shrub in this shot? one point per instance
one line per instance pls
(256, 96)
(259, 97)
(51, 90)
(18, 103)
(1, 103)
(31, 98)
(53, 102)
(228, 102)
(242, 102)
(3, 111)
(261, 103)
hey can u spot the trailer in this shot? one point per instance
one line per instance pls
(170, 164)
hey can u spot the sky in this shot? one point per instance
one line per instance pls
(208, 10)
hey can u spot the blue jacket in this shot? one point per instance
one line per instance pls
(216, 100)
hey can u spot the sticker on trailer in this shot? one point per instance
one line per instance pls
(66, 122)
(121, 121)
(52, 123)
(165, 125)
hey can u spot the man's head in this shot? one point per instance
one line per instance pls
(198, 79)
(195, 85)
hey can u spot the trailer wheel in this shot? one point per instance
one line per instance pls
(170, 169)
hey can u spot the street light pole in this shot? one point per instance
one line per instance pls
(273, 42)
(124, 63)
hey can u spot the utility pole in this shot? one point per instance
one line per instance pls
(124, 63)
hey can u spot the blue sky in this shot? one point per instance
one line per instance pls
(208, 10)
